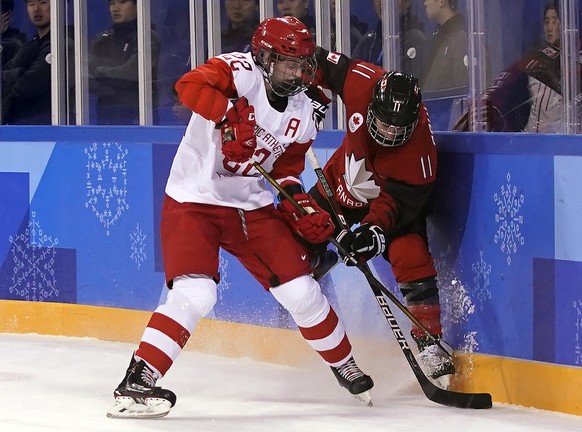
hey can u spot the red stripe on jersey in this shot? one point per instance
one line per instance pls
(170, 328)
(154, 356)
(339, 353)
(323, 329)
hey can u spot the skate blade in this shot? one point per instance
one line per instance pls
(126, 407)
(365, 398)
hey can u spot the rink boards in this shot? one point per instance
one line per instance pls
(79, 226)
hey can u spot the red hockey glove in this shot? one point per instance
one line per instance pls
(316, 226)
(238, 132)
(364, 243)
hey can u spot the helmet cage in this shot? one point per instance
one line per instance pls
(303, 70)
(390, 135)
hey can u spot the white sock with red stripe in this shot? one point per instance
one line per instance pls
(316, 319)
(173, 322)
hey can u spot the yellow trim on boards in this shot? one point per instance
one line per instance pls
(519, 382)
(522, 382)
(125, 325)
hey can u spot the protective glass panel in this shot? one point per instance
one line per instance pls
(26, 62)
(113, 63)
(524, 76)
(239, 19)
(444, 76)
(171, 20)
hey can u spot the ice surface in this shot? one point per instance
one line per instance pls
(64, 384)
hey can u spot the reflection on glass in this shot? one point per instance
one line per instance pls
(113, 66)
(26, 78)
(12, 38)
(447, 51)
(526, 96)
(172, 23)
(357, 29)
(412, 39)
(242, 18)
(299, 9)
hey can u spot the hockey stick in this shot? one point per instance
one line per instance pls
(432, 392)
(364, 267)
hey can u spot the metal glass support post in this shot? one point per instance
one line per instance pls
(266, 9)
(58, 63)
(343, 45)
(391, 31)
(196, 33)
(569, 63)
(81, 63)
(214, 30)
(477, 64)
(144, 58)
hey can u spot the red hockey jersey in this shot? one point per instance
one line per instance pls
(394, 182)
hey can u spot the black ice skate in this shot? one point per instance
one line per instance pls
(138, 397)
(354, 380)
(436, 363)
(323, 264)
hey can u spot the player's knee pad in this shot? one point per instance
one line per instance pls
(422, 292)
(193, 293)
(303, 298)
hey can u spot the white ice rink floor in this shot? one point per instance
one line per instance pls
(63, 384)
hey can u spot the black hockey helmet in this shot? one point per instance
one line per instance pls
(396, 106)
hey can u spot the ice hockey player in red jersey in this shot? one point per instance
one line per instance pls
(216, 198)
(382, 176)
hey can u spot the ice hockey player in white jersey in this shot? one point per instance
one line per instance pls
(247, 108)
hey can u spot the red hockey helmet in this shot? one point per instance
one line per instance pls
(285, 39)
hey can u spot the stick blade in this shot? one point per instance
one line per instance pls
(455, 399)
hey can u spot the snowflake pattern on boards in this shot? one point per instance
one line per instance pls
(509, 202)
(138, 246)
(33, 255)
(107, 182)
(481, 278)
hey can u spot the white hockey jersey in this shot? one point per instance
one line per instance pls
(200, 173)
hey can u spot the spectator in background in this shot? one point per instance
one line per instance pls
(447, 50)
(26, 79)
(300, 10)
(544, 84)
(113, 67)
(12, 39)
(357, 28)
(527, 96)
(243, 19)
(413, 41)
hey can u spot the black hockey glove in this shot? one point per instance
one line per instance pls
(364, 243)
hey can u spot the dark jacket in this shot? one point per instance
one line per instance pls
(446, 67)
(26, 84)
(12, 41)
(113, 74)
(238, 40)
(412, 46)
